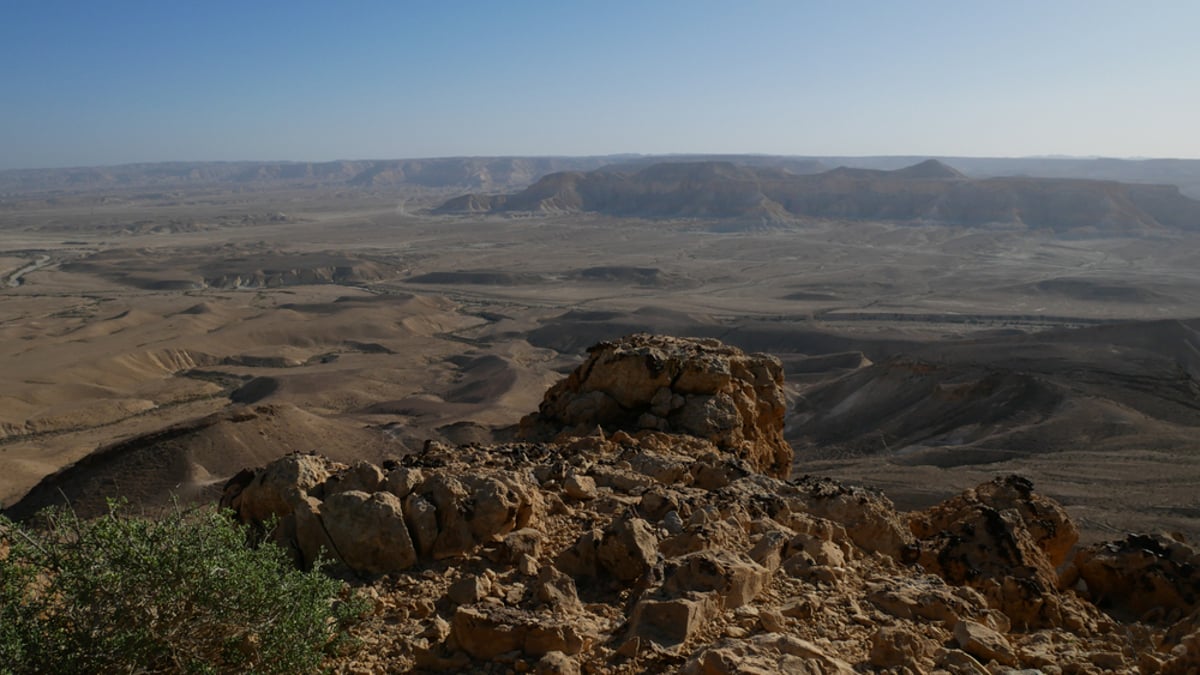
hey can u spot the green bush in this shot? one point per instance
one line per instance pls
(184, 593)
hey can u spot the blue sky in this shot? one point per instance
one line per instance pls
(90, 83)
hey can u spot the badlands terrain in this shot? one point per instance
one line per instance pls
(164, 326)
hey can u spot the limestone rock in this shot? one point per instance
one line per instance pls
(580, 558)
(368, 531)
(670, 622)
(421, 517)
(688, 386)
(1046, 521)
(400, 481)
(517, 544)
(737, 582)
(474, 509)
(968, 542)
(580, 487)
(867, 518)
(469, 589)
(628, 549)
(769, 653)
(557, 590)
(1152, 576)
(926, 597)
(361, 477)
(556, 663)
(984, 643)
(893, 646)
(487, 632)
(274, 490)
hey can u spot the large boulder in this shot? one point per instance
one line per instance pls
(368, 531)
(354, 516)
(1003, 541)
(1153, 577)
(1051, 529)
(487, 631)
(697, 387)
(278, 488)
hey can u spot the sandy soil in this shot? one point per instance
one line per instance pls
(356, 328)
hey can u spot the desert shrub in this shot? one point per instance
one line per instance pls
(182, 593)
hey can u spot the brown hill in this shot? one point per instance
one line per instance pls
(192, 459)
(978, 401)
(926, 192)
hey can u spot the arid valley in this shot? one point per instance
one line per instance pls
(156, 339)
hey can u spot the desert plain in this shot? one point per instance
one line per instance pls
(154, 343)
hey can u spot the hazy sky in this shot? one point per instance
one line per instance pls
(109, 82)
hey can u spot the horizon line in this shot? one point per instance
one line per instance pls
(1062, 157)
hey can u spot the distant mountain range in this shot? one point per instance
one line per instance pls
(929, 191)
(472, 173)
(509, 174)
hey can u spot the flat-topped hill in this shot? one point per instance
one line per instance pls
(928, 192)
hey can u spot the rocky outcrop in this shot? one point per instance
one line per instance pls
(1151, 577)
(695, 387)
(608, 549)
(1004, 541)
(373, 523)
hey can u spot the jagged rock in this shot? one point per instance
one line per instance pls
(580, 487)
(688, 386)
(276, 489)
(769, 653)
(621, 480)
(670, 622)
(893, 646)
(449, 498)
(487, 632)
(556, 663)
(664, 468)
(421, 517)
(628, 549)
(1184, 657)
(556, 590)
(495, 508)
(868, 519)
(959, 662)
(968, 542)
(473, 509)
(469, 589)
(402, 480)
(305, 530)
(927, 597)
(368, 531)
(983, 642)
(737, 582)
(769, 548)
(580, 559)
(361, 477)
(525, 542)
(1154, 577)
(1047, 522)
